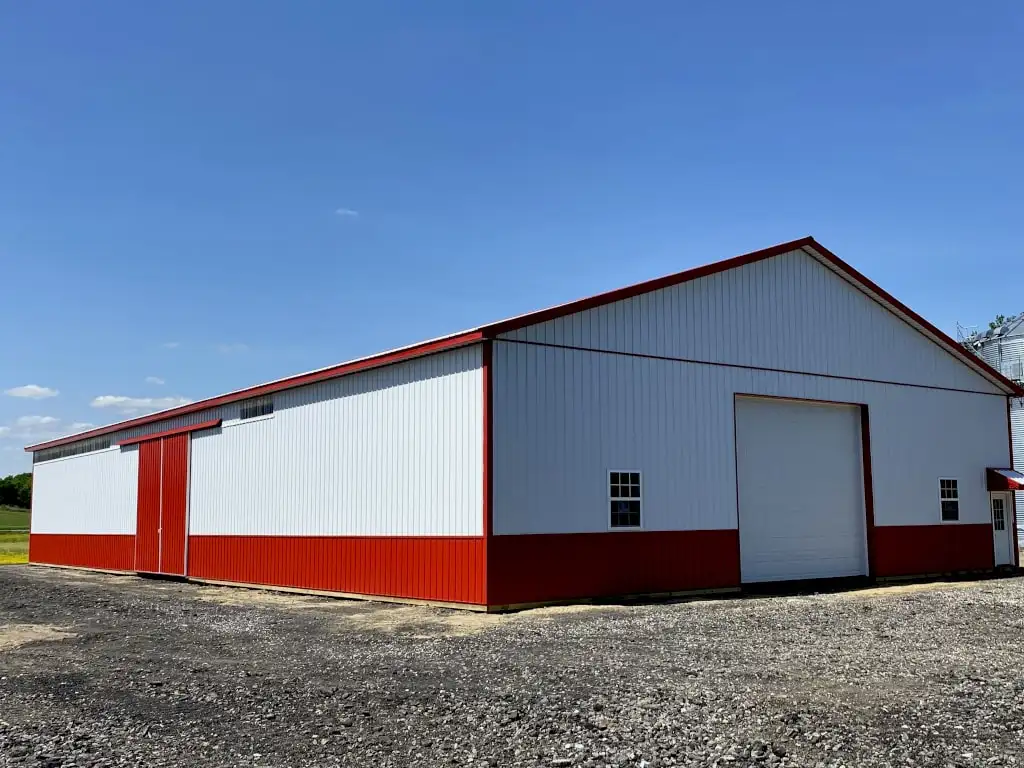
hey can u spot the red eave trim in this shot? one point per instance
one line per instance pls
(170, 432)
(376, 361)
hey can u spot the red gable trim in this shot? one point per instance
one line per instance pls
(533, 318)
(592, 302)
(170, 432)
(906, 314)
(376, 361)
(888, 301)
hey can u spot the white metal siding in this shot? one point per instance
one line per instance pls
(789, 312)
(801, 490)
(89, 493)
(563, 418)
(394, 451)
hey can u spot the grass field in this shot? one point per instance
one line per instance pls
(13, 548)
(13, 518)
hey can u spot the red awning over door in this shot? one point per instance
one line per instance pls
(1004, 479)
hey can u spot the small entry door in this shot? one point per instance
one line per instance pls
(1001, 534)
(161, 522)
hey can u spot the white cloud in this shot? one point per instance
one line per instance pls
(31, 428)
(232, 349)
(126, 404)
(154, 380)
(32, 422)
(33, 391)
(171, 344)
(80, 426)
(347, 212)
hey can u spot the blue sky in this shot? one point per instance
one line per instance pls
(171, 175)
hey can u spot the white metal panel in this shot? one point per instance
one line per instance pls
(563, 418)
(801, 490)
(394, 451)
(789, 312)
(88, 493)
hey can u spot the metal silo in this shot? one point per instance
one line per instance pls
(1003, 349)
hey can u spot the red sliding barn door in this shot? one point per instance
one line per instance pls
(147, 525)
(163, 505)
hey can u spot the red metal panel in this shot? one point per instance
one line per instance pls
(175, 504)
(448, 569)
(909, 550)
(171, 432)
(147, 539)
(110, 552)
(542, 567)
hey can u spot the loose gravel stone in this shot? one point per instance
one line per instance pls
(121, 671)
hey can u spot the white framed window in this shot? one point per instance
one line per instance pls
(624, 498)
(949, 499)
(998, 513)
(257, 406)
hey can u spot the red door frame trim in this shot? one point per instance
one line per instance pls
(869, 486)
(487, 471)
(865, 441)
(211, 424)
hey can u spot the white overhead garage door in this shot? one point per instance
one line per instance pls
(801, 490)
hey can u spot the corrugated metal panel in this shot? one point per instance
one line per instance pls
(1005, 354)
(530, 569)
(789, 312)
(395, 451)
(563, 418)
(174, 505)
(111, 552)
(443, 568)
(903, 550)
(89, 493)
(147, 541)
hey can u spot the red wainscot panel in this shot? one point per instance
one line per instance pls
(445, 569)
(909, 550)
(544, 567)
(109, 552)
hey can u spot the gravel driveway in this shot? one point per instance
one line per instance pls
(104, 670)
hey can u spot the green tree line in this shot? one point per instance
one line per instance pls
(16, 490)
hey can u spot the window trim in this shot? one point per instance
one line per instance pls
(942, 518)
(998, 497)
(610, 499)
(257, 401)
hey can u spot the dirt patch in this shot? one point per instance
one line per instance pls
(16, 635)
(240, 596)
(419, 622)
(907, 589)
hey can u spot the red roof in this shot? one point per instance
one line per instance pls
(474, 335)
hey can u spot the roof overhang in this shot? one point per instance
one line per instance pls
(362, 364)
(1004, 479)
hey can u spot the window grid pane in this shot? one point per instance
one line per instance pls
(624, 494)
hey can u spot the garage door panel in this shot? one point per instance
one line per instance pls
(801, 512)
